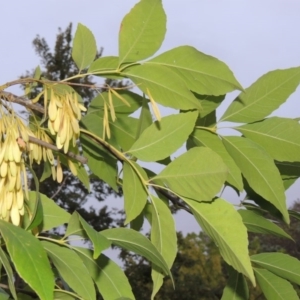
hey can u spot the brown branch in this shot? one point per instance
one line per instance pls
(77, 157)
(60, 187)
(22, 101)
(174, 199)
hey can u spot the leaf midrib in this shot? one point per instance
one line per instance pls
(258, 171)
(259, 262)
(101, 269)
(191, 70)
(221, 238)
(157, 141)
(140, 34)
(269, 136)
(160, 85)
(259, 99)
(70, 269)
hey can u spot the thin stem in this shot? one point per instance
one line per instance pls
(60, 187)
(68, 293)
(60, 242)
(171, 195)
(119, 155)
(211, 129)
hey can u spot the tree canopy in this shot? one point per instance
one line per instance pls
(113, 135)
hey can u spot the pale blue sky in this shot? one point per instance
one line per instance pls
(252, 37)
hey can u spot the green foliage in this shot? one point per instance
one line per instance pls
(84, 47)
(273, 286)
(263, 162)
(236, 287)
(29, 258)
(201, 73)
(197, 271)
(142, 31)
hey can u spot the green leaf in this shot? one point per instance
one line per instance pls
(34, 215)
(163, 232)
(75, 227)
(82, 175)
(197, 174)
(62, 295)
(29, 258)
(263, 96)
(135, 193)
(280, 137)
(236, 287)
(103, 165)
(53, 215)
(107, 275)
(78, 226)
(142, 31)
(259, 224)
(224, 225)
(84, 47)
(104, 65)
(274, 287)
(22, 296)
(100, 242)
(208, 139)
(161, 139)
(9, 273)
(280, 264)
(288, 170)
(201, 73)
(164, 85)
(287, 183)
(163, 237)
(259, 169)
(47, 171)
(137, 223)
(209, 120)
(209, 103)
(123, 130)
(137, 243)
(134, 100)
(71, 269)
(263, 205)
(4, 295)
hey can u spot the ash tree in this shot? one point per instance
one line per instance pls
(107, 140)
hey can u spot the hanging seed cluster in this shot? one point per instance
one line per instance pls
(13, 177)
(16, 149)
(64, 112)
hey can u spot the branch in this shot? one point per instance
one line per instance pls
(60, 188)
(77, 157)
(174, 199)
(22, 101)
